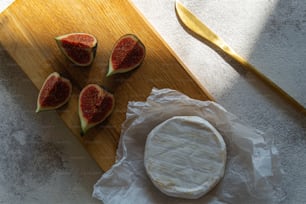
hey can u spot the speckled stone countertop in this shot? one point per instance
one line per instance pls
(43, 164)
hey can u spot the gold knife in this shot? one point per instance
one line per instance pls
(199, 28)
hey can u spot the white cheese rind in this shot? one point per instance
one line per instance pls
(185, 157)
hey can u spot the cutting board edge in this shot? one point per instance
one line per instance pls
(172, 52)
(106, 166)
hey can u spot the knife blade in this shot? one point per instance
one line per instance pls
(191, 22)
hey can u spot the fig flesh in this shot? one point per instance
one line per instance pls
(79, 48)
(127, 54)
(95, 105)
(54, 93)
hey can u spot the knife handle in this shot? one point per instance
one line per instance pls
(249, 67)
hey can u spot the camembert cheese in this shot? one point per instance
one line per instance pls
(185, 156)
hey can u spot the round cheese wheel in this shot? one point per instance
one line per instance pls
(185, 156)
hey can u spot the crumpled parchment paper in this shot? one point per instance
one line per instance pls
(252, 173)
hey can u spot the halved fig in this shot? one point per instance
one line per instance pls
(127, 54)
(95, 105)
(79, 48)
(54, 93)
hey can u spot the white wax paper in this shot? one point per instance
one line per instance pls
(252, 171)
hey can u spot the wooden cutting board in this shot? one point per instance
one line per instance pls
(27, 31)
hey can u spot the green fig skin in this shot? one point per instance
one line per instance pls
(79, 48)
(95, 105)
(54, 93)
(127, 54)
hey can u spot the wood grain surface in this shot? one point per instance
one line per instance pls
(27, 32)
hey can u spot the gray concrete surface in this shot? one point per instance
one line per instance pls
(271, 35)
(40, 160)
(43, 164)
